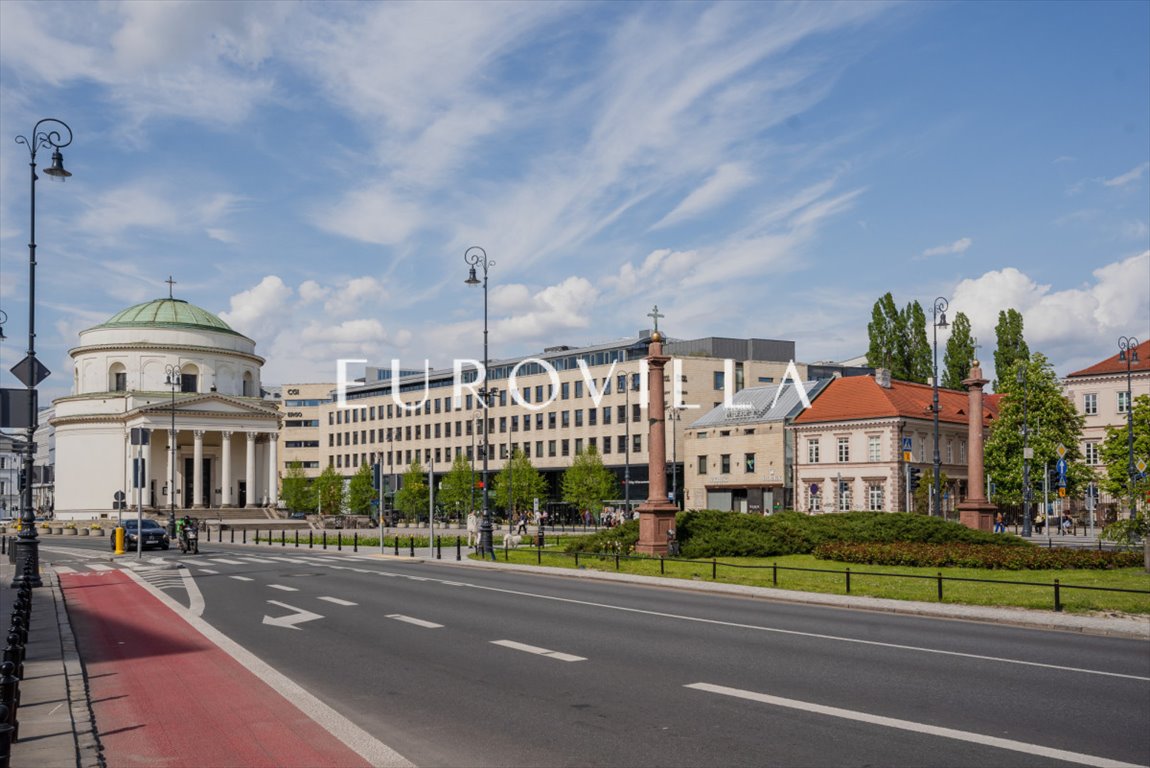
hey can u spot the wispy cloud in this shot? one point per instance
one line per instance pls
(958, 246)
(1131, 176)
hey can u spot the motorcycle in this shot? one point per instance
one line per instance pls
(190, 540)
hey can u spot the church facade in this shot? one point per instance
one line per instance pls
(190, 384)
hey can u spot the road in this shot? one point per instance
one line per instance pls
(461, 665)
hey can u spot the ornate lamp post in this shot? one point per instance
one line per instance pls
(939, 315)
(1128, 353)
(1027, 451)
(29, 370)
(627, 445)
(172, 379)
(477, 257)
(673, 417)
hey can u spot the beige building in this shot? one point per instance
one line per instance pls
(1099, 393)
(301, 408)
(738, 455)
(848, 444)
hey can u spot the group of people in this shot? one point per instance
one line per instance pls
(1064, 521)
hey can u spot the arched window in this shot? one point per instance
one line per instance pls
(189, 378)
(249, 385)
(117, 378)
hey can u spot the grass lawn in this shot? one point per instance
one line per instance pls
(737, 570)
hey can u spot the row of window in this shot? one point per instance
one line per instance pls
(1090, 402)
(725, 464)
(874, 450)
(841, 498)
(553, 448)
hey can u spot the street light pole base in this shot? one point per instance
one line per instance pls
(26, 549)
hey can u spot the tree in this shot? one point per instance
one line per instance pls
(959, 353)
(587, 483)
(1052, 421)
(518, 484)
(329, 492)
(919, 362)
(413, 496)
(884, 333)
(1010, 347)
(360, 492)
(898, 340)
(297, 494)
(1115, 454)
(921, 497)
(456, 491)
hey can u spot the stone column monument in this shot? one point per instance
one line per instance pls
(975, 511)
(657, 513)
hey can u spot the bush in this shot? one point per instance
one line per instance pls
(621, 539)
(994, 556)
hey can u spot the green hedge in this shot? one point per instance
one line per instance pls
(994, 556)
(708, 533)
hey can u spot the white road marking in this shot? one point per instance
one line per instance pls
(288, 559)
(260, 560)
(416, 622)
(208, 571)
(226, 561)
(281, 586)
(909, 725)
(538, 651)
(290, 621)
(454, 584)
(797, 633)
(64, 569)
(338, 601)
(99, 567)
(195, 597)
(240, 578)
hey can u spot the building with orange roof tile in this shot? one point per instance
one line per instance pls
(848, 445)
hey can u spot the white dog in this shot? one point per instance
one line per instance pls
(511, 540)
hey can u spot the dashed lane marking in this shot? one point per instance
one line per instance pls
(241, 578)
(208, 571)
(416, 622)
(910, 725)
(338, 601)
(282, 587)
(557, 655)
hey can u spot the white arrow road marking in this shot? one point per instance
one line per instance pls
(338, 601)
(416, 622)
(909, 725)
(283, 588)
(290, 621)
(538, 651)
(241, 578)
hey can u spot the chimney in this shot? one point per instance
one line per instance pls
(882, 377)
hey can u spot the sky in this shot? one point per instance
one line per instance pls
(314, 172)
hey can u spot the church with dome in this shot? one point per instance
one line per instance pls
(192, 384)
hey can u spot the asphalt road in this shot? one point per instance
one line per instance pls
(458, 665)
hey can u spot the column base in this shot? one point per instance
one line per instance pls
(656, 518)
(977, 514)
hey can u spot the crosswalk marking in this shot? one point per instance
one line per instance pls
(226, 561)
(64, 569)
(100, 567)
(208, 571)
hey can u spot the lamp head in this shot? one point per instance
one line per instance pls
(1019, 375)
(942, 320)
(471, 278)
(57, 170)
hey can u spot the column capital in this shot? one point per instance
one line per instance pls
(226, 435)
(198, 434)
(252, 436)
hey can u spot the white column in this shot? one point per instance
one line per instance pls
(198, 469)
(250, 470)
(226, 471)
(273, 474)
(170, 479)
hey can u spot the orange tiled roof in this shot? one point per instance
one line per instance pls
(1113, 365)
(860, 397)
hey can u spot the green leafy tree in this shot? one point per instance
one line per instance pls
(297, 493)
(360, 492)
(413, 495)
(921, 497)
(919, 361)
(959, 353)
(1052, 421)
(329, 492)
(587, 483)
(1010, 346)
(1115, 455)
(884, 333)
(518, 484)
(455, 490)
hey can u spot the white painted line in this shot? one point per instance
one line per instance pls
(260, 560)
(226, 561)
(338, 601)
(195, 597)
(453, 584)
(208, 571)
(909, 725)
(64, 569)
(99, 567)
(240, 578)
(281, 586)
(288, 559)
(416, 622)
(538, 651)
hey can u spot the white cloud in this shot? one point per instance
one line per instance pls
(260, 312)
(373, 215)
(1134, 174)
(727, 180)
(958, 246)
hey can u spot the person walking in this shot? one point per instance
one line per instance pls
(999, 524)
(472, 528)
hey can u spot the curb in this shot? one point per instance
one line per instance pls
(89, 751)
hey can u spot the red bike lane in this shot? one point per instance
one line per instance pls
(164, 696)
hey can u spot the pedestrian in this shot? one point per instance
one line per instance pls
(999, 524)
(522, 530)
(472, 528)
(1040, 522)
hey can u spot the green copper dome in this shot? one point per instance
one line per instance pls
(168, 313)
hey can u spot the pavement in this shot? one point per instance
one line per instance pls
(100, 711)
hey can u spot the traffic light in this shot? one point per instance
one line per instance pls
(915, 478)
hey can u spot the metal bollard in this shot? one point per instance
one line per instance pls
(458, 548)
(324, 536)
(1057, 597)
(848, 580)
(438, 547)
(355, 541)
(397, 545)
(14, 654)
(10, 696)
(5, 737)
(412, 546)
(245, 536)
(231, 535)
(297, 539)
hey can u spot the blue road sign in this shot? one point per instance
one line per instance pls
(907, 444)
(1061, 467)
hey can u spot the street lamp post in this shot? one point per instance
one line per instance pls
(1128, 353)
(474, 428)
(477, 257)
(673, 417)
(1024, 380)
(939, 316)
(172, 379)
(627, 445)
(27, 545)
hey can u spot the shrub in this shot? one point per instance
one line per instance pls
(963, 555)
(621, 539)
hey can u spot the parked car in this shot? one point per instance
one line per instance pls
(153, 534)
(297, 516)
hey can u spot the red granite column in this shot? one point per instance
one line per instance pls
(975, 511)
(657, 513)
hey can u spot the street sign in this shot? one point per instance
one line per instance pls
(119, 496)
(15, 407)
(1062, 492)
(1060, 465)
(1061, 450)
(141, 436)
(907, 444)
(1141, 465)
(814, 488)
(30, 371)
(906, 455)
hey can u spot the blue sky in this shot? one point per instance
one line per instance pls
(314, 172)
